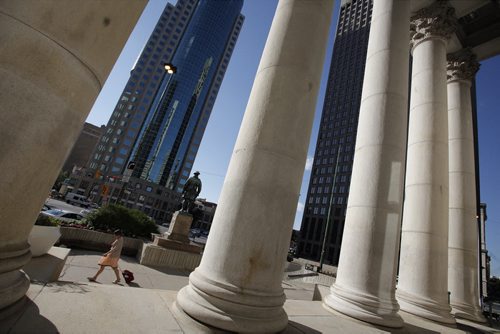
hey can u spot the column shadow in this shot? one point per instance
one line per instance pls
(294, 327)
(27, 320)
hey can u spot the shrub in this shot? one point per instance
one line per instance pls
(131, 222)
(43, 220)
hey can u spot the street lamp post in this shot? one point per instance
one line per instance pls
(125, 180)
(327, 225)
(169, 69)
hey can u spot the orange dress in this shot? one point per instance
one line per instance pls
(113, 255)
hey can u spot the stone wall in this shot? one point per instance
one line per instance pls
(147, 254)
(87, 239)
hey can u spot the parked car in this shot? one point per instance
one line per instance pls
(86, 212)
(75, 199)
(195, 232)
(46, 207)
(63, 215)
(94, 206)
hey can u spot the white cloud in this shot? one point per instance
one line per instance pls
(300, 207)
(309, 163)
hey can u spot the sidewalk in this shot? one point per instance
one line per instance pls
(83, 263)
(73, 305)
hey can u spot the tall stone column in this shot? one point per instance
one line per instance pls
(54, 59)
(237, 286)
(463, 251)
(366, 276)
(423, 272)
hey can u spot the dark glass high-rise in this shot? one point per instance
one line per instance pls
(331, 171)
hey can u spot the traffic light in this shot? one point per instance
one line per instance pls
(105, 190)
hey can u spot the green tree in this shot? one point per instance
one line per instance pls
(131, 222)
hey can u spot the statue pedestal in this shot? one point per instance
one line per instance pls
(173, 249)
(179, 227)
(177, 235)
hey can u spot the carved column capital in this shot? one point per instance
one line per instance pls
(436, 21)
(462, 65)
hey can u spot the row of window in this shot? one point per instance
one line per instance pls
(337, 189)
(323, 210)
(326, 199)
(322, 180)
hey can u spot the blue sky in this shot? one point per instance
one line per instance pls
(218, 142)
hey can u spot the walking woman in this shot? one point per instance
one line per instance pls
(111, 258)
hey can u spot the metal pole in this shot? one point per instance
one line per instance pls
(157, 109)
(327, 225)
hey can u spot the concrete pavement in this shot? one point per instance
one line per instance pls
(75, 306)
(83, 263)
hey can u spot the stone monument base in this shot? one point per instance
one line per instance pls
(179, 227)
(177, 245)
(173, 249)
(152, 255)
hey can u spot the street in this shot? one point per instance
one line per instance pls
(57, 204)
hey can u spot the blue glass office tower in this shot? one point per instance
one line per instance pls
(172, 131)
(159, 120)
(156, 110)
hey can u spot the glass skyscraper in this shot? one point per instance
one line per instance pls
(331, 172)
(160, 118)
(169, 139)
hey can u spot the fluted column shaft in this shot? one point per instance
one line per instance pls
(423, 276)
(237, 286)
(463, 251)
(54, 59)
(366, 276)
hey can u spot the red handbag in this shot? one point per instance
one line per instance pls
(128, 276)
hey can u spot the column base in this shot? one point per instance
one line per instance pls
(465, 311)
(14, 283)
(229, 308)
(425, 308)
(364, 307)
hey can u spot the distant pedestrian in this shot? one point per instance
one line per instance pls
(110, 259)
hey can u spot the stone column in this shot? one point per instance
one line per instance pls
(54, 59)
(463, 254)
(237, 286)
(366, 276)
(423, 272)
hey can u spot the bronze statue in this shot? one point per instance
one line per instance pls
(191, 190)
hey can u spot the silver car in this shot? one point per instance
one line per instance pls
(66, 216)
